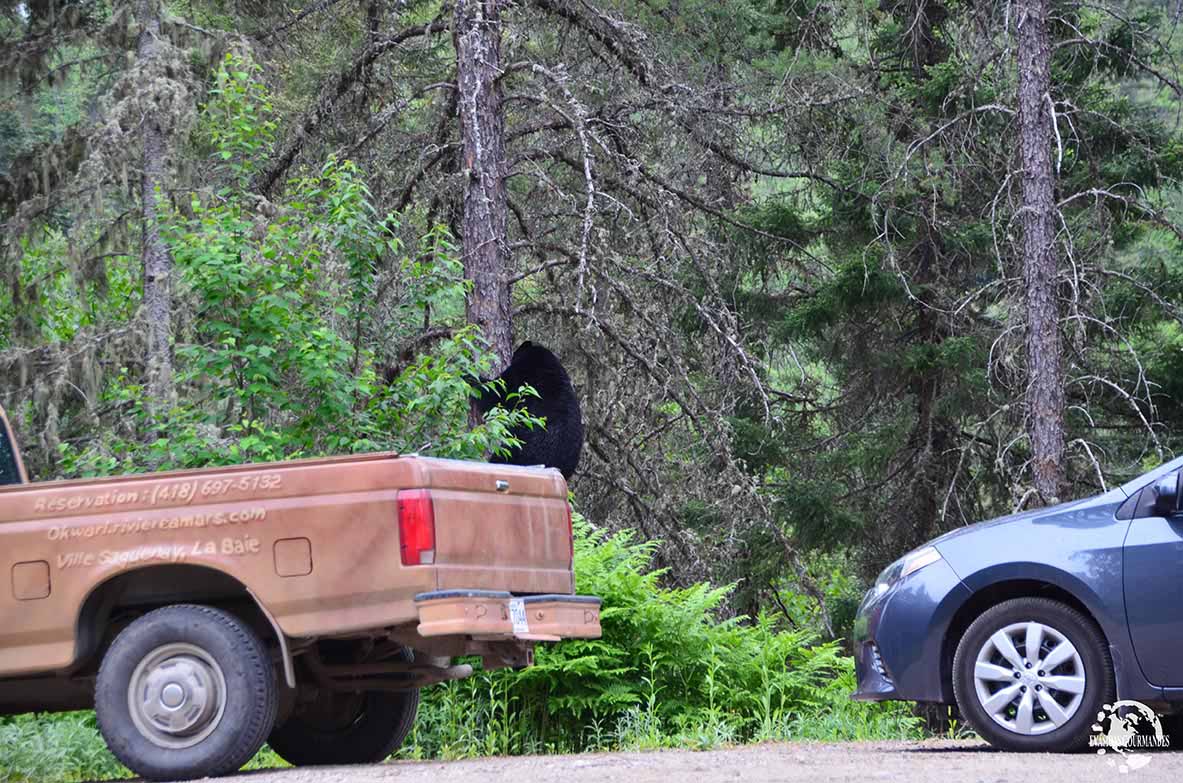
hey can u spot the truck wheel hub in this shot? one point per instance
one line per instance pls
(172, 695)
(177, 695)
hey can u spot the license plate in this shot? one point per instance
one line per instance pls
(517, 615)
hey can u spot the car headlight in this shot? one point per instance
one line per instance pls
(908, 564)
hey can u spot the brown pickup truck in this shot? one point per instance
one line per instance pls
(302, 603)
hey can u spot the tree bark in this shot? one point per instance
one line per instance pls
(1045, 384)
(157, 261)
(485, 252)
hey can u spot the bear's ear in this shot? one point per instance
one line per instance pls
(527, 345)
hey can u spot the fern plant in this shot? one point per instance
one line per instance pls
(666, 673)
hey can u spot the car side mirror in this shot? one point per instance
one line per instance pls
(1166, 496)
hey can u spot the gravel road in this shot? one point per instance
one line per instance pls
(931, 761)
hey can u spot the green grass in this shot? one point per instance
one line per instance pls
(64, 747)
(67, 748)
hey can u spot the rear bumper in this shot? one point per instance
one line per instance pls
(494, 615)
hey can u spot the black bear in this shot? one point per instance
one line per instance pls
(557, 445)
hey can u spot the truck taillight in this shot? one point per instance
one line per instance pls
(416, 527)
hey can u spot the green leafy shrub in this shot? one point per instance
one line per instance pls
(274, 365)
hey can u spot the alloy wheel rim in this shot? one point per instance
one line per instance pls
(177, 695)
(1029, 678)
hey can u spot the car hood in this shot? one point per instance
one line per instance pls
(1020, 517)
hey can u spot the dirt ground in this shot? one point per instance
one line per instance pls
(930, 761)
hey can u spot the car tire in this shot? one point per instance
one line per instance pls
(346, 728)
(1054, 706)
(185, 692)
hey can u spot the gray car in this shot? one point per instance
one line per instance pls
(1030, 623)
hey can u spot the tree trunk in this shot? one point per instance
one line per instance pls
(157, 261)
(1045, 384)
(477, 34)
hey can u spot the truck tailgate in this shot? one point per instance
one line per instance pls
(500, 527)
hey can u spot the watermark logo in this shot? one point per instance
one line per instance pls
(1125, 728)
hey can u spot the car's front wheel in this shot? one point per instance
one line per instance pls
(1031, 674)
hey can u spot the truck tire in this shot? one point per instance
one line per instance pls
(186, 692)
(1043, 700)
(347, 728)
